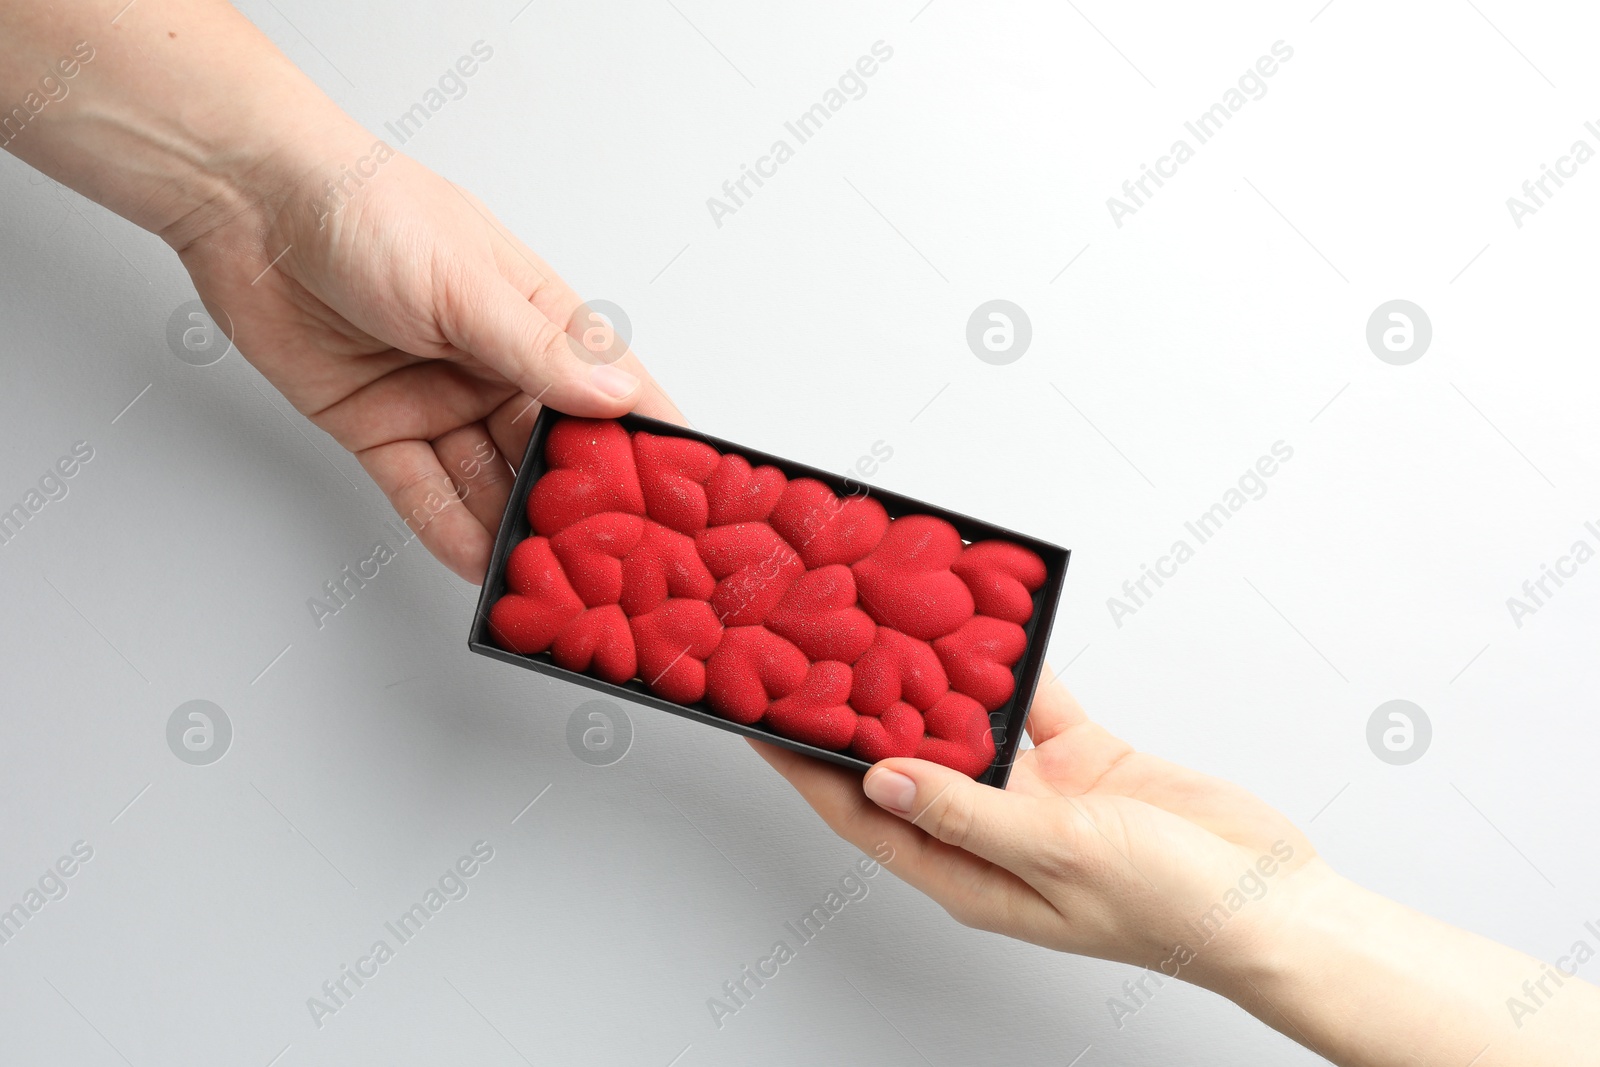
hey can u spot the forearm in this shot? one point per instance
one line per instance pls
(179, 115)
(1366, 982)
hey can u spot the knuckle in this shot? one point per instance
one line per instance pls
(953, 818)
(1059, 858)
(464, 299)
(491, 475)
(424, 496)
(416, 483)
(550, 342)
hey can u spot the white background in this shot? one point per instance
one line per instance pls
(827, 314)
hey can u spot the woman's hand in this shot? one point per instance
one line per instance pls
(400, 317)
(1097, 849)
(1091, 848)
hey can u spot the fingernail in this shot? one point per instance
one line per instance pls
(891, 790)
(613, 381)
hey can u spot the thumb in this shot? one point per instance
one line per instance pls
(1016, 832)
(494, 322)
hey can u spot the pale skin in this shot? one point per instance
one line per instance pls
(408, 323)
(422, 335)
(1098, 849)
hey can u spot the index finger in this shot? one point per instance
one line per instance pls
(1055, 710)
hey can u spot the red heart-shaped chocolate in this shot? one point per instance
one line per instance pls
(1002, 577)
(736, 492)
(750, 668)
(673, 642)
(820, 616)
(959, 735)
(591, 552)
(591, 471)
(663, 564)
(599, 641)
(979, 656)
(754, 568)
(897, 667)
(825, 529)
(672, 474)
(816, 713)
(897, 732)
(539, 601)
(906, 582)
(773, 601)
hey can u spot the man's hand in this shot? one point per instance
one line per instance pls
(406, 322)
(383, 301)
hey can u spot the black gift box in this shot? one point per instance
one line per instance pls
(1007, 721)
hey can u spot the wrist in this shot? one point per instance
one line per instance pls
(180, 130)
(245, 182)
(1363, 980)
(1286, 947)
